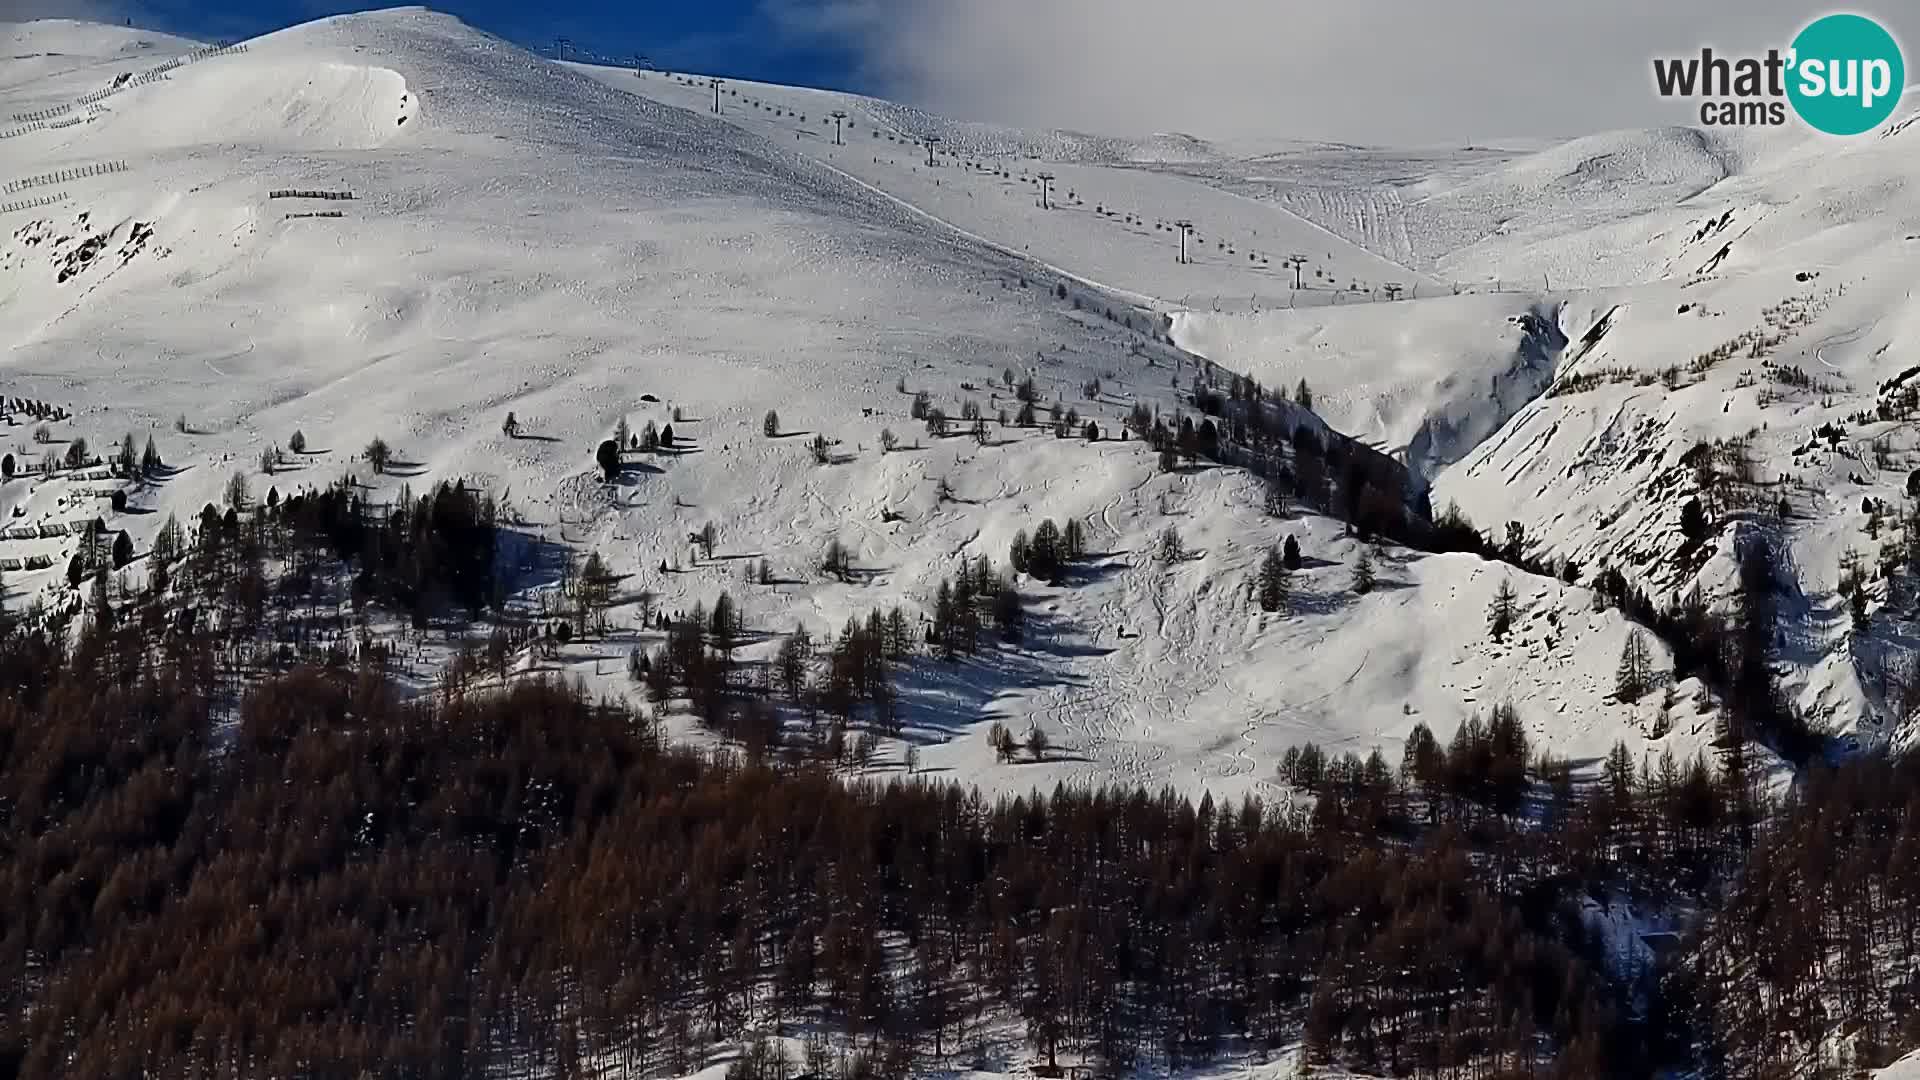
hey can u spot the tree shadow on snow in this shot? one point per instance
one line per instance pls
(1301, 602)
(524, 561)
(942, 700)
(1088, 572)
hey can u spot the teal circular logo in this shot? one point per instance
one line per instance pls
(1846, 75)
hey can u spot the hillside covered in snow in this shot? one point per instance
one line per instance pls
(585, 249)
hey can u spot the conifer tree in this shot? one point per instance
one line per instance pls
(1074, 540)
(1500, 613)
(1275, 581)
(1363, 579)
(1634, 676)
(1038, 743)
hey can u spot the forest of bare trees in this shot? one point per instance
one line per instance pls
(346, 880)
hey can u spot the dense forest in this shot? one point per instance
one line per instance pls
(234, 847)
(345, 880)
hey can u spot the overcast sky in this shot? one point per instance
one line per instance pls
(1405, 72)
(1384, 71)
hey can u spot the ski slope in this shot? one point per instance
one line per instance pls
(1110, 214)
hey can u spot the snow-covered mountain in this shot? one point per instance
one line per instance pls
(586, 245)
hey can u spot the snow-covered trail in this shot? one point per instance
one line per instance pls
(1113, 290)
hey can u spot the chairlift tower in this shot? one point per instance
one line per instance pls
(839, 119)
(716, 84)
(932, 142)
(1046, 189)
(1186, 228)
(1295, 261)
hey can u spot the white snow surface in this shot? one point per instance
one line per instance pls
(567, 241)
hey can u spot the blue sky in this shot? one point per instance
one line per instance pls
(740, 38)
(1395, 72)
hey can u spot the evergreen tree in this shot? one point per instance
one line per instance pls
(1038, 743)
(1500, 613)
(1290, 552)
(1044, 554)
(1693, 520)
(837, 561)
(723, 625)
(1634, 675)
(899, 639)
(1074, 540)
(1275, 581)
(1363, 579)
(796, 654)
